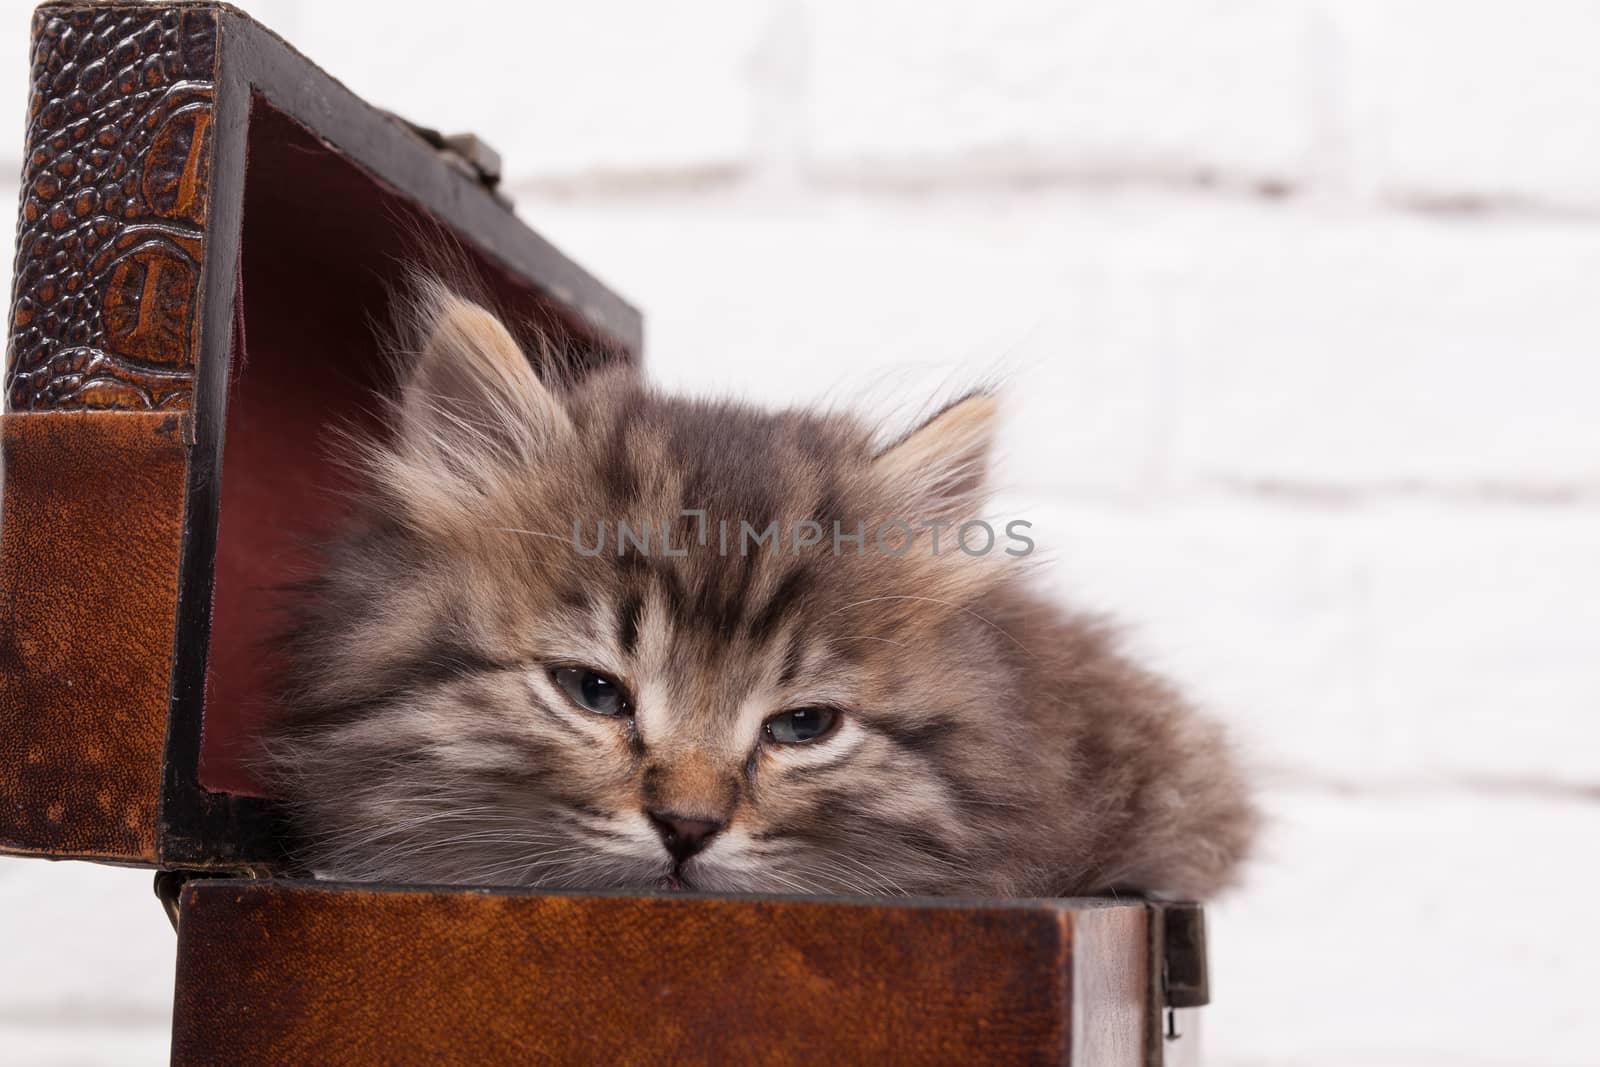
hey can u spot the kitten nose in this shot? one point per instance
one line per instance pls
(683, 836)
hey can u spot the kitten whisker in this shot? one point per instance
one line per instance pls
(532, 533)
(865, 637)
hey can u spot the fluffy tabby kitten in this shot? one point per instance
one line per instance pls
(481, 697)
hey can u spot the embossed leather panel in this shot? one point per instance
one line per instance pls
(90, 524)
(115, 186)
(272, 973)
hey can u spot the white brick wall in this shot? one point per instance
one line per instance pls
(590, 92)
(1018, 89)
(1295, 302)
(1479, 103)
(1376, 354)
(87, 968)
(1409, 925)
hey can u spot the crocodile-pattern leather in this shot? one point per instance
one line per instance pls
(114, 189)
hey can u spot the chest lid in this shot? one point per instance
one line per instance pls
(209, 226)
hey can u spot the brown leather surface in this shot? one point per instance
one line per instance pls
(116, 180)
(91, 513)
(280, 972)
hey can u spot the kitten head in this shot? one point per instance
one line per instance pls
(582, 634)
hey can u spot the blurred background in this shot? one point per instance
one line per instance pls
(1299, 306)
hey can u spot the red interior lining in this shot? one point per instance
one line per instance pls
(323, 241)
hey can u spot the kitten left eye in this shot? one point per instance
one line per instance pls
(801, 726)
(593, 691)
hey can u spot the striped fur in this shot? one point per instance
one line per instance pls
(989, 743)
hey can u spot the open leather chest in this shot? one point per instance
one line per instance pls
(209, 227)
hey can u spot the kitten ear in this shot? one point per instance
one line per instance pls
(472, 385)
(940, 469)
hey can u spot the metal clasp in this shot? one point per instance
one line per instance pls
(466, 152)
(1179, 975)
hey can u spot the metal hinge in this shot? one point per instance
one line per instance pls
(466, 152)
(168, 885)
(1179, 976)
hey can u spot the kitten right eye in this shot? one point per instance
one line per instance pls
(592, 691)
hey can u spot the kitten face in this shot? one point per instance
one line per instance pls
(491, 683)
(486, 694)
